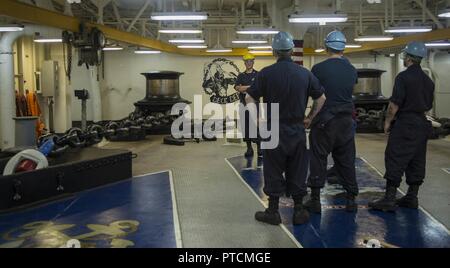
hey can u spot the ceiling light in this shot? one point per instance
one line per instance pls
(112, 48)
(179, 16)
(445, 13)
(146, 51)
(219, 50)
(11, 28)
(419, 29)
(319, 50)
(260, 51)
(48, 40)
(192, 46)
(374, 38)
(321, 19)
(179, 31)
(257, 31)
(259, 47)
(187, 41)
(249, 42)
(437, 44)
(353, 46)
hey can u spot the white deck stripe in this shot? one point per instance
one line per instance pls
(283, 227)
(176, 220)
(400, 190)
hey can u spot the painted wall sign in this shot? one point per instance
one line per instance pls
(219, 78)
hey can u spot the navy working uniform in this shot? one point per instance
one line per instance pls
(407, 145)
(247, 79)
(332, 129)
(289, 85)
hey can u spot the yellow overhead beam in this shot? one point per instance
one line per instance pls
(29, 13)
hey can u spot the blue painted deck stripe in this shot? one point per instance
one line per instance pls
(337, 228)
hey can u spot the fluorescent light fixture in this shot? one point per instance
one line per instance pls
(353, 46)
(438, 44)
(192, 46)
(249, 41)
(374, 38)
(260, 51)
(219, 50)
(146, 51)
(48, 40)
(257, 31)
(445, 13)
(11, 28)
(180, 31)
(112, 48)
(179, 16)
(319, 50)
(419, 29)
(260, 47)
(187, 41)
(321, 19)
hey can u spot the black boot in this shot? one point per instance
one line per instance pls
(387, 203)
(301, 215)
(271, 214)
(313, 204)
(249, 152)
(410, 200)
(351, 205)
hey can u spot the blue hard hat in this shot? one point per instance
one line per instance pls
(283, 41)
(336, 40)
(417, 49)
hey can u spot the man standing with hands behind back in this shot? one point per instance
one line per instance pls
(288, 86)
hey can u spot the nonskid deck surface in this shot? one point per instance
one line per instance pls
(337, 228)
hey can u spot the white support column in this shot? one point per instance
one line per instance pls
(7, 94)
(95, 94)
(7, 101)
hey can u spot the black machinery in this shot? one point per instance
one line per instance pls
(76, 170)
(152, 115)
(83, 95)
(162, 92)
(89, 44)
(369, 102)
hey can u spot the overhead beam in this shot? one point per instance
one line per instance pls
(33, 14)
(117, 14)
(139, 14)
(429, 13)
